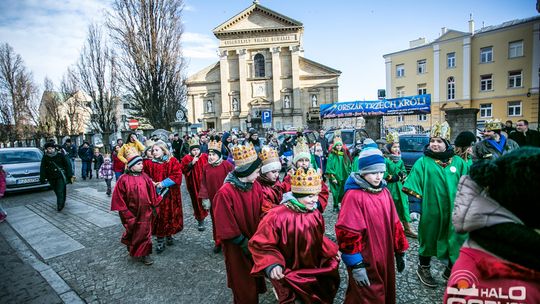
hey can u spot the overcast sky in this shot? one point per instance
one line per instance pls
(350, 36)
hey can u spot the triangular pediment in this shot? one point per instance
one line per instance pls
(259, 102)
(209, 74)
(256, 18)
(312, 68)
(451, 34)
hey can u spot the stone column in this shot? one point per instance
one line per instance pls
(242, 74)
(276, 78)
(296, 102)
(461, 120)
(223, 114)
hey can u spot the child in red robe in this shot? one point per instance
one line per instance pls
(134, 197)
(237, 214)
(214, 173)
(291, 249)
(268, 178)
(302, 159)
(166, 174)
(192, 167)
(370, 234)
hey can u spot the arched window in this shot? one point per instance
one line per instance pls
(259, 65)
(451, 88)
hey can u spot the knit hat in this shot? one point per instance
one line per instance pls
(133, 160)
(306, 181)
(369, 143)
(371, 160)
(301, 150)
(465, 139)
(270, 159)
(513, 180)
(49, 145)
(245, 160)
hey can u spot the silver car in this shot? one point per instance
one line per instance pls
(22, 166)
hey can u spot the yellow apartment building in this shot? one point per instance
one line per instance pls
(494, 69)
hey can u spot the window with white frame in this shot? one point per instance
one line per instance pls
(514, 108)
(515, 79)
(515, 49)
(486, 54)
(258, 61)
(451, 88)
(401, 118)
(422, 117)
(421, 64)
(451, 60)
(486, 82)
(400, 70)
(400, 92)
(422, 89)
(485, 110)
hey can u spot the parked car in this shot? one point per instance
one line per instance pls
(22, 166)
(310, 135)
(412, 148)
(352, 138)
(410, 129)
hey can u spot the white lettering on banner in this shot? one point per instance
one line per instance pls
(258, 40)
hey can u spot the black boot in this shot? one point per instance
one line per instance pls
(109, 191)
(424, 274)
(170, 241)
(160, 245)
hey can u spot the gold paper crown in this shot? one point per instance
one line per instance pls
(306, 182)
(194, 141)
(268, 155)
(214, 145)
(244, 155)
(493, 125)
(441, 130)
(300, 147)
(392, 137)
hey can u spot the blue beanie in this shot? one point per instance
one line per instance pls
(369, 143)
(371, 160)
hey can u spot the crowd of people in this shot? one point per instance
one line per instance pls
(266, 202)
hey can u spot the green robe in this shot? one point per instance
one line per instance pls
(340, 168)
(401, 200)
(437, 186)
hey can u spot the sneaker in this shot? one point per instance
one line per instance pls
(424, 274)
(147, 260)
(201, 226)
(169, 241)
(446, 273)
(217, 249)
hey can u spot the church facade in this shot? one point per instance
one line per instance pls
(261, 67)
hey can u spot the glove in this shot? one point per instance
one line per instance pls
(206, 204)
(402, 175)
(415, 216)
(400, 261)
(392, 178)
(360, 276)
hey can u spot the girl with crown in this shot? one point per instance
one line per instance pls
(237, 210)
(291, 249)
(269, 178)
(434, 178)
(166, 173)
(302, 159)
(395, 175)
(369, 233)
(134, 197)
(338, 168)
(192, 167)
(214, 173)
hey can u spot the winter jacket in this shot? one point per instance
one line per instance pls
(106, 171)
(118, 165)
(85, 154)
(529, 138)
(2, 181)
(485, 150)
(71, 150)
(134, 147)
(98, 161)
(55, 167)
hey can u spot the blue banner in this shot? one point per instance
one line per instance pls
(419, 104)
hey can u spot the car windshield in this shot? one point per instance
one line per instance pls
(346, 136)
(413, 144)
(17, 157)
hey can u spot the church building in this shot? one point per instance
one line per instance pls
(261, 67)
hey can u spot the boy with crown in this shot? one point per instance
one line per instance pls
(269, 178)
(369, 233)
(238, 205)
(434, 178)
(214, 173)
(133, 197)
(495, 144)
(302, 159)
(192, 167)
(395, 175)
(291, 249)
(338, 168)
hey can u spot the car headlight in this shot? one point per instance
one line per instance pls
(8, 175)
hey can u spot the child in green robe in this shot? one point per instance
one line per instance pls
(338, 168)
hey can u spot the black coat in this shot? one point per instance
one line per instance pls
(530, 138)
(85, 154)
(98, 161)
(51, 167)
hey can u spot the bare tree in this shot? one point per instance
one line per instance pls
(18, 103)
(96, 76)
(53, 105)
(149, 33)
(74, 102)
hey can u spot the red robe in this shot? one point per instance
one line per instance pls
(170, 218)
(368, 224)
(296, 241)
(133, 197)
(323, 195)
(212, 180)
(238, 213)
(272, 194)
(194, 176)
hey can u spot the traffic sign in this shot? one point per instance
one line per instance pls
(133, 124)
(266, 118)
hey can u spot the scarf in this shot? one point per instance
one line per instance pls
(498, 145)
(266, 181)
(293, 204)
(235, 181)
(511, 241)
(394, 158)
(356, 181)
(161, 160)
(217, 163)
(444, 157)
